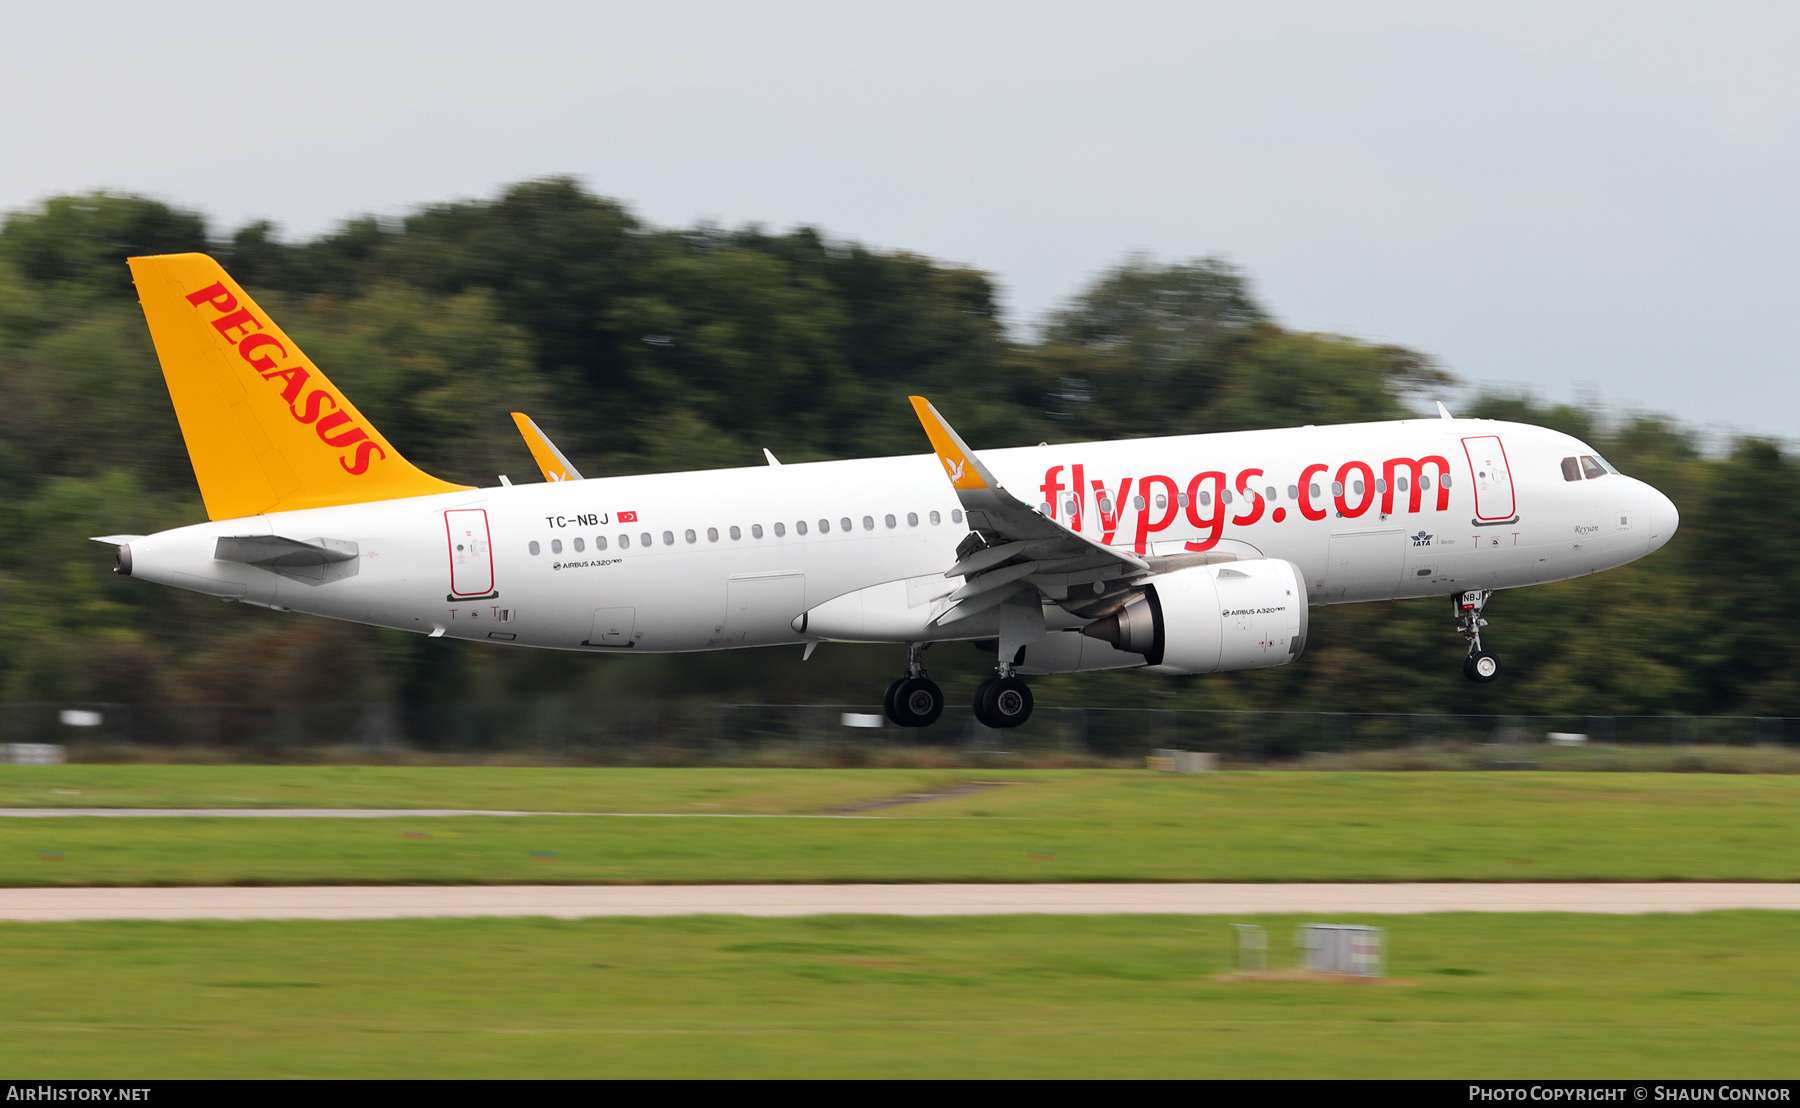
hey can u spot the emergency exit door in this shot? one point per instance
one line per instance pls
(1492, 479)
(471, 554)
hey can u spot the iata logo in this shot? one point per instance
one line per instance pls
(321, 409)
(1421, 539)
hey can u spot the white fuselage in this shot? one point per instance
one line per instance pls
(728, 558)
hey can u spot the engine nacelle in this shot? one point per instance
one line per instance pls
(1208, 619)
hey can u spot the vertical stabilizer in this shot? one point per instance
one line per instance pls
(265, 430)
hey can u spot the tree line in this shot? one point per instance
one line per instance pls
(640, 348)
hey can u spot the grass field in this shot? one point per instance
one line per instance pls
(1474, 996)
(1041, 826)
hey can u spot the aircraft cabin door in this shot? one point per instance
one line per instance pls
(1492, 479)
(471, 554)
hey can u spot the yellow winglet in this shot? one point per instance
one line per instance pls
(544, 452)
(265, 430)
(960, 463)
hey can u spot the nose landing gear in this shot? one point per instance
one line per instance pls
(914, 700)
(1481, 665)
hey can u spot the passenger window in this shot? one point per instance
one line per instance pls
(824, 527)
(556, 546)
(669, 538)
(1293, 492)
(1592, 468)
(712, 534)
(1182, 500)
(1380, 485)
(1271, 491)
(800, 527)
(891, 522)
(869, 523)
(781, 530)
(1205, 498)
(1138, 503)
(1357, 486)
(1312, 489)
(1337, 488)
(912, 519)
(580, 546)
(1444, 481)
(646, 541)
(844, 525)
(755, 531)
(624, 542)
(1162, 501)
(735, 533)
(1225, 496)
(599, 542)
(935, 519)
(1403, 485)
(956, 515)
(1571, 469)
(534, 548)
(689, 535)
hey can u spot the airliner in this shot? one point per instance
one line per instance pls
(1184, 554)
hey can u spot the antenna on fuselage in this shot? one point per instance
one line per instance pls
(1443, 412)
(773, 460)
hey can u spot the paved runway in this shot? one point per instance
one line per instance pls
(261, 813)
(396, 813)
(577, 901)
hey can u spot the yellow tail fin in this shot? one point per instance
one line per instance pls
(265, 430)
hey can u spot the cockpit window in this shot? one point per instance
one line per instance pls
(1606, 465)
(1571, 469)
(1592, 467)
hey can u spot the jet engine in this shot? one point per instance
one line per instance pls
(1212, 618)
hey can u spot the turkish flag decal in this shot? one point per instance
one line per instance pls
(627, 517)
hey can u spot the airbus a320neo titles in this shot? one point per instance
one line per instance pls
(1178, 555)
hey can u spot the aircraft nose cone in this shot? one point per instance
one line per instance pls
(1664, 518)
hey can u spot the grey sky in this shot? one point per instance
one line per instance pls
(1594, 200)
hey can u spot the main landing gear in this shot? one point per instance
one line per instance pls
(1481, 665)
(1003, 700)
(914, 700)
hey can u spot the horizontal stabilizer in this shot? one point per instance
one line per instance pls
(275, 552)
(115, 540)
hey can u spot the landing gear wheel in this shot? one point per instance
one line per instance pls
(1481, 666)
(914, 702)
(887, 702)
(1003, 702)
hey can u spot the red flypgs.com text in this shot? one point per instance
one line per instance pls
(320, 408)
(1207, 502)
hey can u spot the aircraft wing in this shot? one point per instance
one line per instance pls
(544, 452)
(1013, 548)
